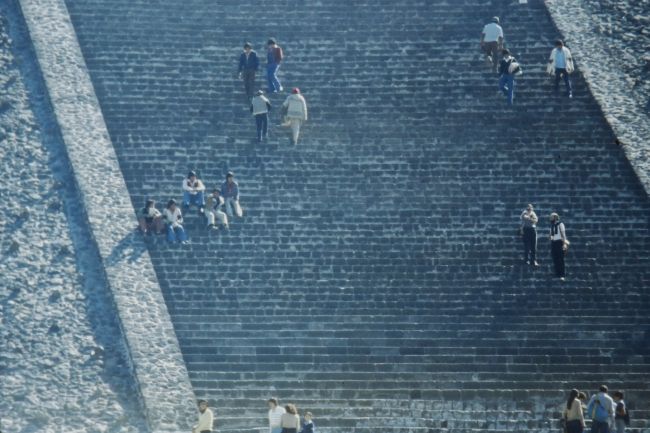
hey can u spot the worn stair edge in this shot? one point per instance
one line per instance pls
(608, 85)
(154, 354)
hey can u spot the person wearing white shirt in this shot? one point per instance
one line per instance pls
(174, 221)
(206, 419)
(559, 245)
(193, 192)
(275, 416)
(492, 42)
(560, 63)
(296, 113)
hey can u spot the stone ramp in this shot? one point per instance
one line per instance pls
(375, 279)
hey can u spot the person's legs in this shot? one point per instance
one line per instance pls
(494, 54)
(187, 199)
(237, 208)
(619, 424)
(272, 78)
(526, 239)
(558, 258)
(199, 199)
(211, 217)
(276, 82)
(158, 225)
(265, 125)
(249, 83)
(222, 218)
(502, 84)
(181, 236)
(142, 223)
(229, 207)
(567, 82)
(259, 125)
(533, 246)
(510, 82)
(171, 234)
(295, 130)
(558, 75)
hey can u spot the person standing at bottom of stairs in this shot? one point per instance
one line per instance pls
(290, 420)
(529, 235)
(601, 411)
(574, 420)
(275, 416)
(274, 56)
(508, 68)
(206, 419)
(296, 113)
(559, 245)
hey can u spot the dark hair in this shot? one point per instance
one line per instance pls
(191, 173)
(248, 45)
(290, 408)
(274, 401)
(271, 41)
(559, 43)
(203, 401)
(230, 174)
(216, 190)
(170, 203)
(582, 396)
(603, 388)
(149, 203)
(309, 414)
(572, 396)
(618, 394)
(505, 51)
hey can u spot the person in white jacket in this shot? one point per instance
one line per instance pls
(174, 221)
(560, 63)
(206, 419)
(296, 109)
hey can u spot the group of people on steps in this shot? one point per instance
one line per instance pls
(607, 414)
(502, 61)
(294, 107)
(281, 419)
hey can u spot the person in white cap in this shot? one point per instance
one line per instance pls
(492, 42)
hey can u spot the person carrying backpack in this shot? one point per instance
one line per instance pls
(601, 410)
(508, 68)
(621, 416)
(274, 56)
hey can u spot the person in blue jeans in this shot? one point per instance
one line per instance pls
(174, 221)
(193, 192)
(274, 57)
(508, 68)
(560, 64)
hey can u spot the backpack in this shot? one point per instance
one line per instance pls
(598, 411)
(514, 68)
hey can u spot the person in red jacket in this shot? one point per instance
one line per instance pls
(274, 57)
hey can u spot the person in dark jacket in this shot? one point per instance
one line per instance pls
(308, 426)
(508, 68)
(274, 57)
(249, 63)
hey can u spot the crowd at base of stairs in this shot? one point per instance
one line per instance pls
(607, 414)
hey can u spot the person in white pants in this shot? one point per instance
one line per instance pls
(230, 193)
(296, 108)
(215, 210)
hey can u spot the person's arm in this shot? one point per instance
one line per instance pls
(552, 56)
(186, 187)
(268, 105)
(236, 192)
(563, 232)
(304, 108)
(242, 61)
(200, 185)
(582, 416)
(256, 61)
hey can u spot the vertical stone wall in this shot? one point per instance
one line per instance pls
(157, 364)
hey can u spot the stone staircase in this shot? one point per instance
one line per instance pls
(376, 278)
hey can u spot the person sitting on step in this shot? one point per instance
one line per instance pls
(206, 419)
(230, 193)
(174, 220)
(193, 192)
(215, 212)
(150, 218)
(290, 421)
